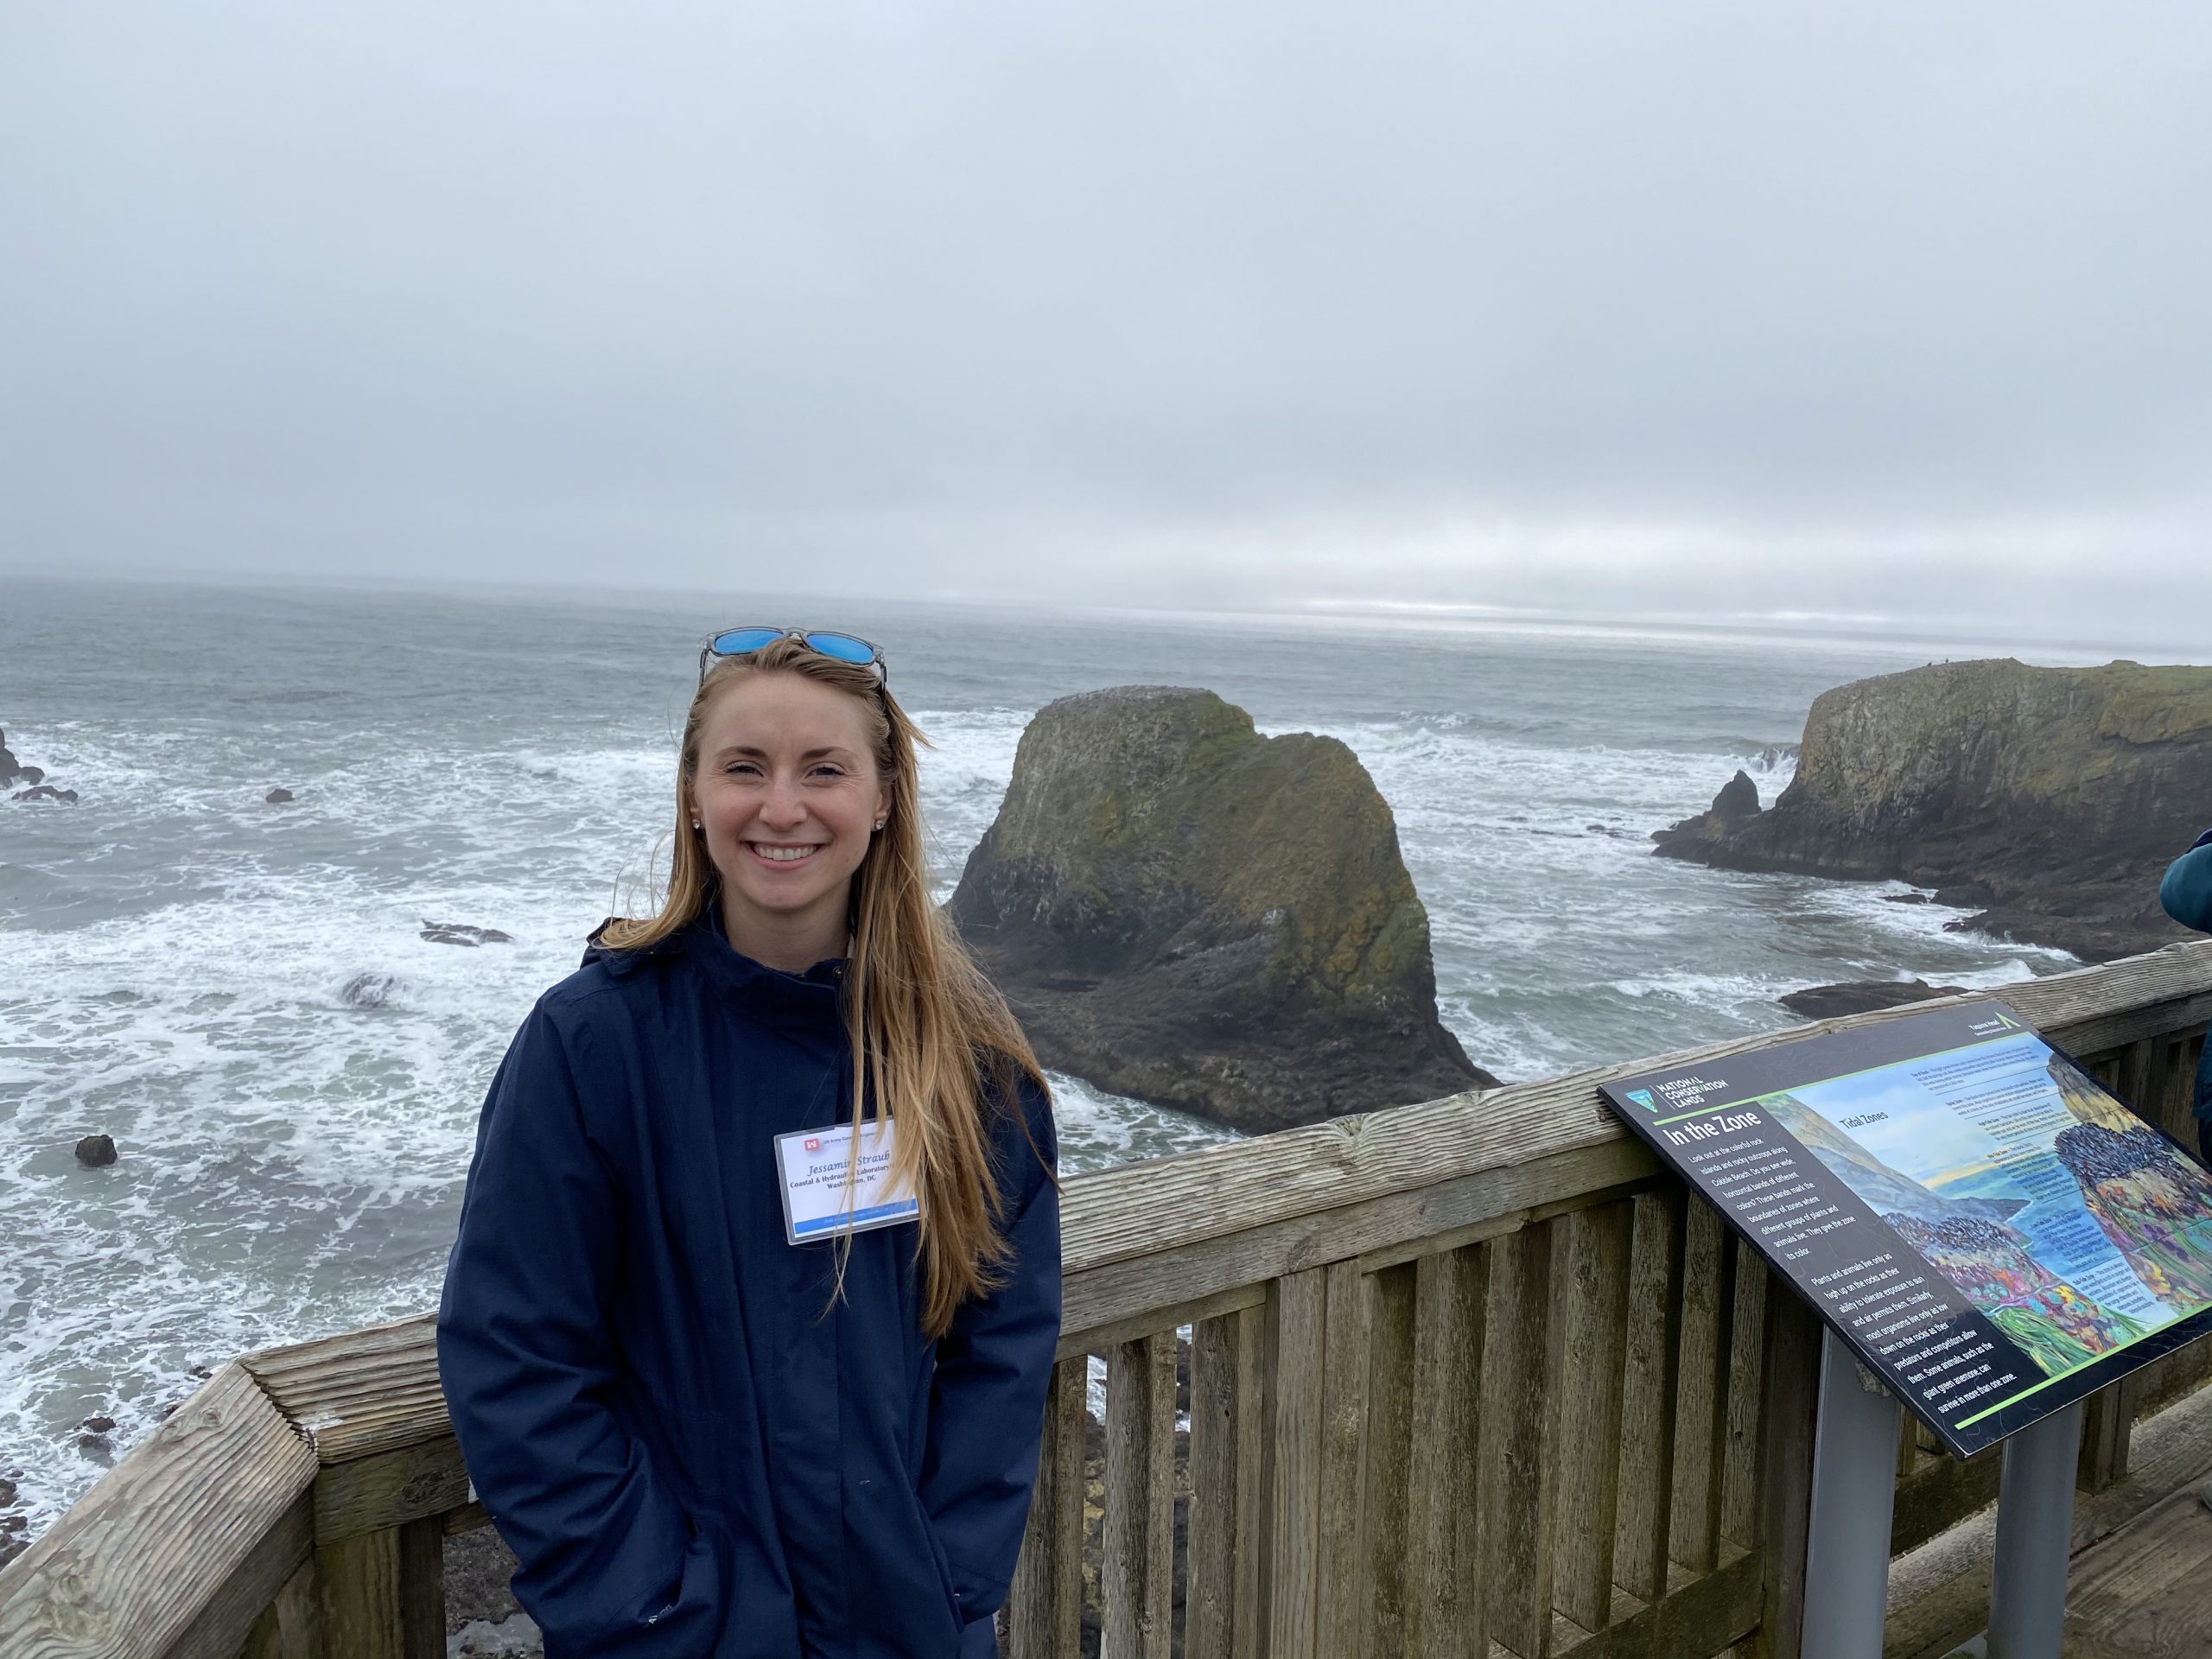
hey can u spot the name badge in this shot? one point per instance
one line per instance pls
(825, 1195)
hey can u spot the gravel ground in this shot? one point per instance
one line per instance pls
(481, 1615)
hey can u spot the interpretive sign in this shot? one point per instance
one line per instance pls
(1991, 1231)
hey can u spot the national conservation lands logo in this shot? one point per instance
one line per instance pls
(1642, 1097)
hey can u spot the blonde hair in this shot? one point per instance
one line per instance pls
(932, 1041)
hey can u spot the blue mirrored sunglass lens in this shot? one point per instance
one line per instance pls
(738, 641)
(843, 646)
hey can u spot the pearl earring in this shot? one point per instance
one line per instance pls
(879, 824)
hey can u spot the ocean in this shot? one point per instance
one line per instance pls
(241, 995)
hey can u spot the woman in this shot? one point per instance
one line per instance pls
(718, 1386)
(2187, 895)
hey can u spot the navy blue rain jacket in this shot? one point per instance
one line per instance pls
(2187, 895)
(693, 1447)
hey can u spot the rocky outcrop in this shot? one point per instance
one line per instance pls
(1862, 996)
(2049, 799)
(1182, 910)
(96, 1151)
(1736, 805)
(12, 770)
(278, 798)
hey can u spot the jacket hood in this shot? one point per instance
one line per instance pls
(616, 961)
(815, 992)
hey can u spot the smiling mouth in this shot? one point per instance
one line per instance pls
(768, 852)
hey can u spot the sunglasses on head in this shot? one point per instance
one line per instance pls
(743, 642)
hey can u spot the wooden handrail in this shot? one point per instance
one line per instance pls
(1617, 1394)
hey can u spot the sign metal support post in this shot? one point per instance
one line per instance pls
(2035, 1538)
(1854, 1487)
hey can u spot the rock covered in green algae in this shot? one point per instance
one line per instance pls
(1182, 910)
(2051, 799)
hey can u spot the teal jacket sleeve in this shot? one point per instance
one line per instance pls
(987, 1404)
(2187, 891)
(610, 1567)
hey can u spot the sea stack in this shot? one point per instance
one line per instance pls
(2050, 800)
(1182, 910)
(1736, 805)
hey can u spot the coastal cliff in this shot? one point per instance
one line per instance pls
(2048, 800)
(1179, 909)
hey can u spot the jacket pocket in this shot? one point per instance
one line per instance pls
(943, 1565)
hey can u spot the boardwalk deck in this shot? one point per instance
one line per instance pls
(2140, 1586)
(2146, 1592)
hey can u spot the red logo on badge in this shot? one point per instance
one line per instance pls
(814, 1143)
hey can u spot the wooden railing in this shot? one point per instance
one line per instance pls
(1464, 1373)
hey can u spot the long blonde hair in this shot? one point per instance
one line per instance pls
(932, 1042)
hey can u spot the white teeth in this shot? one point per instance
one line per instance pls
(781, 855)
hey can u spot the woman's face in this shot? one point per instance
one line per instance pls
(786, 799)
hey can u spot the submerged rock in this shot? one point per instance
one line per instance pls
(46, 792)
(2052, 798)
(371, 990)
(1860, 996)
(277, 796)
(96, 1151)
(463, 933)
(1182, 910)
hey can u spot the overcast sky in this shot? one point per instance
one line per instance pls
(1753, 307)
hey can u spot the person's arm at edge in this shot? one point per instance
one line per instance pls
(2187, 891)
(986, 1405)
(609, 1565)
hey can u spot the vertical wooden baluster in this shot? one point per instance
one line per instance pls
(384, 1593)
(2137, 1063)
(2191, 1056)
(1210, 1598)
(1255, 1386)
(1700, 1416)
(1793, 1388)
(1137, 1575)
(1389, 1455)
(1655, 1311)
(291, 1626)
(1595, 1334)
(1445, 1564)
(1298, 1303)
(1746, 1444)
(1342, 1595)
(1045, 1608)
(1521, 1409)
(2103, 1456)
(1221, 1604)
(2174, 1094)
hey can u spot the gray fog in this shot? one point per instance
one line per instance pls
(1864, 309)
